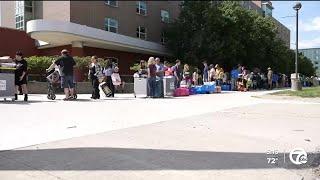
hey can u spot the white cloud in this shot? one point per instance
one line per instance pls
(313, 25)
(314, 43)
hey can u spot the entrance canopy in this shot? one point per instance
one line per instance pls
(59, 33)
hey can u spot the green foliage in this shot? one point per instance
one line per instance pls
(229, 34)
(39, 64)
(135, 67)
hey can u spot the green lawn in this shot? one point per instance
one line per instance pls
(306, 92)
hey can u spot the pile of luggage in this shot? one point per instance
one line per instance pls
(206, 88)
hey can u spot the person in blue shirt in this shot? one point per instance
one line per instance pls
(160, 74)
(234, 76)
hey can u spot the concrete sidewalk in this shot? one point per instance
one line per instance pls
(226, 144)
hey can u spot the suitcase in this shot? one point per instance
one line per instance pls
(218, 89)
(181, 92)
(105, 89)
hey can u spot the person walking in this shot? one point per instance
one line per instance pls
(269, 78)
(66, 62)
(177, 72)
(152, 70)
(21, 75)
(108, 71)
(95, 72)
(160, 74)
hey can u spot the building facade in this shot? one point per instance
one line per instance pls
(314, 55)
(125, 30)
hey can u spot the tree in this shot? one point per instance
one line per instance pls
(228, 34)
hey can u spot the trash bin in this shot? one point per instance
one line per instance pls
(168, 85)
(7, 87)
(140, 86)
(295, 83)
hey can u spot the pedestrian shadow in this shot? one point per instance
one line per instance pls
(25, 102)
(123, 159)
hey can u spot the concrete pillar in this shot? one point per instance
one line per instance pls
(77, 49)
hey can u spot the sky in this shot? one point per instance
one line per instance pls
(309, 22)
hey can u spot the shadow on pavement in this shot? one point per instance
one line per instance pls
(21, 102)
(141, 159)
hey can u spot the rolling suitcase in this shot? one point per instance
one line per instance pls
(181, 92)
(105, 89)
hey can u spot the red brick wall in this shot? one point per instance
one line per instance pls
(55, 51)
(126, 59)
(12, 40)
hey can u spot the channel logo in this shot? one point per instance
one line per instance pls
(298, 156)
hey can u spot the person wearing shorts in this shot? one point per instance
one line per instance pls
(66, 62)
(21, 75)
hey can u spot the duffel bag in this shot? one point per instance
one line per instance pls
(181, 92)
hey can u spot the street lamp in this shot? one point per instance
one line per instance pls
(295, 81)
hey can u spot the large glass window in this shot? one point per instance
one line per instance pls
(141, 7)
(165, 16)
(112, 3)
(19, 14)
(111, 25)
(141, 33)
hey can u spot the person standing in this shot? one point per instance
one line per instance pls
(95, 72)
(219, 75)
(160, 74)
(21, 75)
(205, 71)
(152, 69)
(195, 77)
(66, 62)
(269, 77)
(187, 75)
(108, 71)
(234, 76)
(212, 73)
(177, 72)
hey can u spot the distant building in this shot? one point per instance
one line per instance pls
(314, 55)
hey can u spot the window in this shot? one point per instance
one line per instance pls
(164, 16)
(111, 25)
(163, 39)
(141, 7)
(112, 3)
(141, 33)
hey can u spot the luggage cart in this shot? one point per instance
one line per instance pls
(168, 85)
(7, 87)
(140, 86)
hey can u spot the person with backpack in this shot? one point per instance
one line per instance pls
(66, 63)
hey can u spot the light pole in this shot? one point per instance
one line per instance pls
(295, 82)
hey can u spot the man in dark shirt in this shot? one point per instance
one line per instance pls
(21, 75)
(66, 62)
